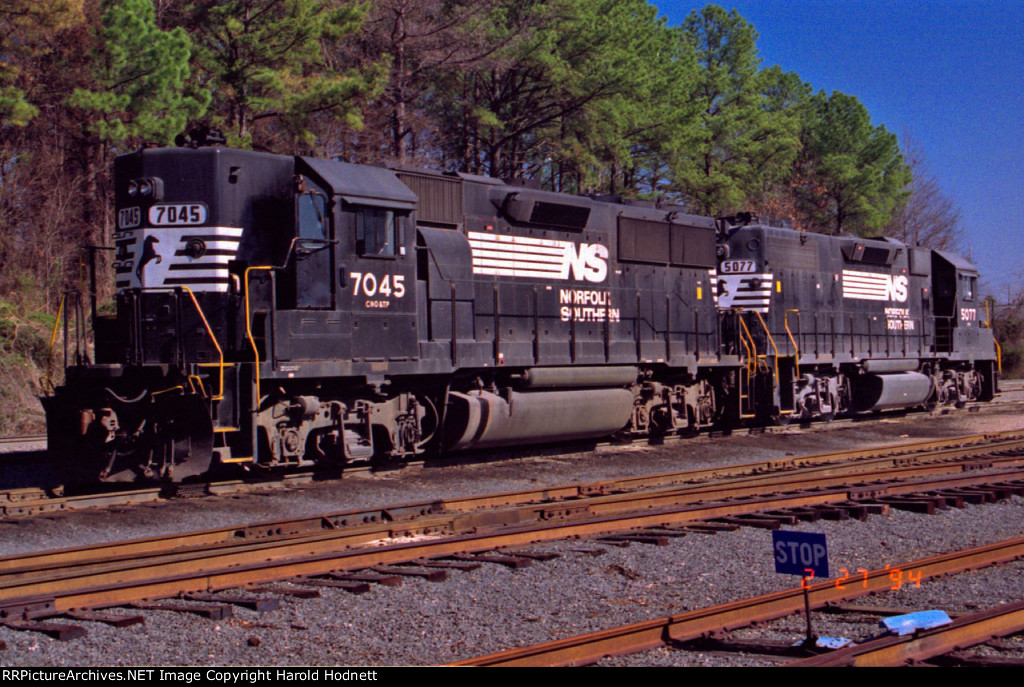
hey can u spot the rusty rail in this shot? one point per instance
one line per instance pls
(27, 502)
(570, 501)
(51, 585)
(963, 632)
(589, 648)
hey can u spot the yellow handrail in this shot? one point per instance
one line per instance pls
(775, 348)
(248, 329)
(180, 387)
(193, 380)
(751, 356)
(48, 379)
(796, 349)
(209, 330)
(220, 353)
(999, 349)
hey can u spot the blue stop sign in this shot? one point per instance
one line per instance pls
(797, 552)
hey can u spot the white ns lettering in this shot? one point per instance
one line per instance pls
(897, 288)
(590, 263)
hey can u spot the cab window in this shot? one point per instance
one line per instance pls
(377, 232)
(312, 216)
(968, 285)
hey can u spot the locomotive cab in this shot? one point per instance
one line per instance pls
(956, 300)
(346, 291)
(962, 332)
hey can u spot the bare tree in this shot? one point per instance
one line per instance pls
(929, 217)
(423, 39)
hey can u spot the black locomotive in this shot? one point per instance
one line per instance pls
(278, 311)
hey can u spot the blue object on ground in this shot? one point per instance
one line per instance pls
(912, 622)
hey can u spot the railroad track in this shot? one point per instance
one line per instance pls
(677, 630)
(18, 503)
(28, 501)
(28, 442)
(429, 534)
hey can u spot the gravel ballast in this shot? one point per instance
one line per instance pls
(591, 586)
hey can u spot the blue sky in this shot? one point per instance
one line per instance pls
(950, 73)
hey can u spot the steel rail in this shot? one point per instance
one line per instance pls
(22, 443)
(552, 502)
(25, 502)
(683, 627)
(880, 475)
(536, 505)
(891, 651)
(31, 501)
(264, 562)
(224, 566)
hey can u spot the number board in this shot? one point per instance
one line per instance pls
(737, 266)
(177, 215)
(129, 217)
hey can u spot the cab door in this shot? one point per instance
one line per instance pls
(381, 280)
(307, 326)
(311, 252)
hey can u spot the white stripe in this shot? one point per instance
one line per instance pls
(515, 248)
(506, 255)
(853, 288)
(205, 260)
(199, 274)
(501, 255)
(225, 232)
(170, 240)
(866, 278)
(866, 286)
(865, 275)
(861, 286)
(740, 293)
(516, 240)
(863, 295)
(519, 264)
(518, 272)
(219, 245)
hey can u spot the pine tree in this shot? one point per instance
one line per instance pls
(269, 67)
(747, 136)
(25, 28)
(141, 76)
(851, 175)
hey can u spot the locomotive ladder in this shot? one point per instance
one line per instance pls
(749, 369)
(757, 364)
(196, 382)
(776, 378)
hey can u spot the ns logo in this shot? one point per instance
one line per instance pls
(590, 263)
(872, 286)
(897, 288)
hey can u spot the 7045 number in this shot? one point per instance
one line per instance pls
(369, 285)
(185, 214)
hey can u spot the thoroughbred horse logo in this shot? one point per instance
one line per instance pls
(148, 253)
